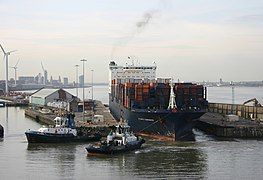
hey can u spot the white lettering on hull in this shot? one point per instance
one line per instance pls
(145, 119)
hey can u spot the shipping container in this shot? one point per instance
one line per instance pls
(134, 93)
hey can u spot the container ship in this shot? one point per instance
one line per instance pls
(154, 106)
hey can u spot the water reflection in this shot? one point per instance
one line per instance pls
(158, 160)
(178, 161)
(6, 120)
(57, 159)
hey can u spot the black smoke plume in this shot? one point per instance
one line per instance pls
(139, 27)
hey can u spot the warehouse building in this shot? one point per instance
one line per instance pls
(57, 98)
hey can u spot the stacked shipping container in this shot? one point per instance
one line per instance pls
(155, 94)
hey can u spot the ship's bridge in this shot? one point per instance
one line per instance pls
(131, 72)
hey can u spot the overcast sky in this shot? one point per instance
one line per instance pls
(193, 40)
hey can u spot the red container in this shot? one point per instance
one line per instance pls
(186, 90)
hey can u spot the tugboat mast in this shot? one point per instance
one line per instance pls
(172, 103)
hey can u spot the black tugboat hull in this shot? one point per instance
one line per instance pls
(115, 149)
(1, 131)
(36, 137)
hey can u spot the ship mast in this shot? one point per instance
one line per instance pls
(172, 103)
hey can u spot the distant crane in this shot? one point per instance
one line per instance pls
(44, 73)
(6, 54)
(15, 68)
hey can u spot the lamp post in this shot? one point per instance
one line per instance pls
(92, 85)
(83, 87)
(92, 90)
(77, 76)
(233, 97)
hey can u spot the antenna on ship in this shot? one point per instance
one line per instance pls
(132, 59)
(172, 103)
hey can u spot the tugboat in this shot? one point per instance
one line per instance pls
(63, 131)
(122, 140)
(1, 131)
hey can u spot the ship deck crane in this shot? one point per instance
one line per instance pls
(254, 100)
(172, 102)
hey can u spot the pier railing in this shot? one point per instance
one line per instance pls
(247, 112)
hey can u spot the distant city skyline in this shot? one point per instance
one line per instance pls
(195, 40)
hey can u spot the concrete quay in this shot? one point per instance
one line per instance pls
(84, 125)
(10, 101)
(218, 125)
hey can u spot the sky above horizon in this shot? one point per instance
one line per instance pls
(193, 40)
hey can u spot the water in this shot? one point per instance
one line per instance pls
(207, 157)
(241, 94)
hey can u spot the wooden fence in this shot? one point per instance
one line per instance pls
(247, 112)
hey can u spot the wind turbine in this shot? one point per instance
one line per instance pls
(15, 68)
(6, 54)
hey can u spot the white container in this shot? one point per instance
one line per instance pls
(232, 118)
(98, 118)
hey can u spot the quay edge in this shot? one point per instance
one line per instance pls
(82, 128)
(217, 125)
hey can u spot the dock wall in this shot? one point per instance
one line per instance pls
(83, 127)
(246, 132)
(40, 118)
(216, 123)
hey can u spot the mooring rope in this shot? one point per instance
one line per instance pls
(155, 122)
(149, 125)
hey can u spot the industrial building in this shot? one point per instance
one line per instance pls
(26, 79)
(57, 98)
(65, 81)
(81, 80)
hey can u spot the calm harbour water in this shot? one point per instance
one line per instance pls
(207, 157)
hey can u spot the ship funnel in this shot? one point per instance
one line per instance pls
(172, 103)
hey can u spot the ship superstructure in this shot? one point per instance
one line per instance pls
(136, 72)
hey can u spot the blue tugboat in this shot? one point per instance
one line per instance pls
(120, 141)
(63, 131)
